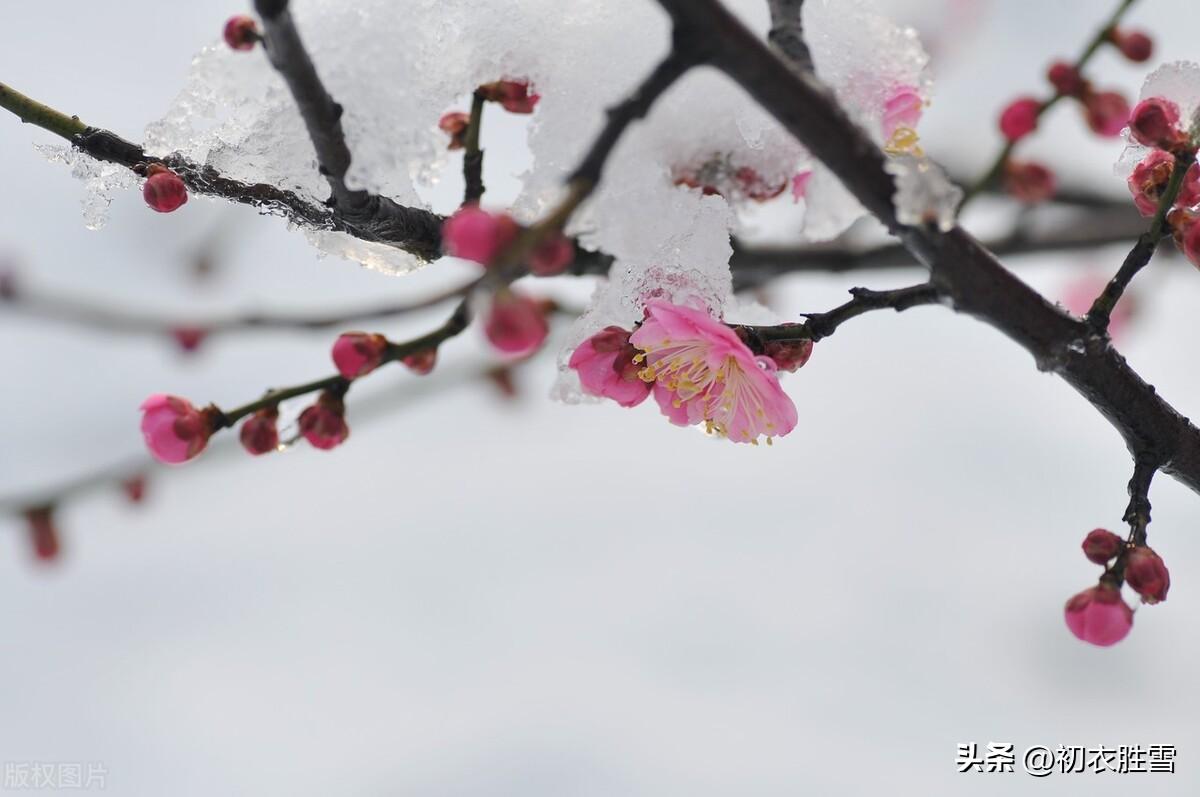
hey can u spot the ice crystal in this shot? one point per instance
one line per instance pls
(924, 194)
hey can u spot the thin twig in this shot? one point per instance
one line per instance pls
(472, 154)
(818, 326)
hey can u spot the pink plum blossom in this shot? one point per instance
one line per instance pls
(358, 353)
(703, 372)
(1099, 615)
(174, 430)
(1149, 179)
(324, 423)
(260, 433)
(515, 324)
(901, 110)
(474, 234)
(1107, 112)
(1020, 118)
(1154, 122)
(552, 256)
(606, 367)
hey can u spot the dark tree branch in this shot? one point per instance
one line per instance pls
(1139, 257)
(818, 326)
(372, 217)
(787, 32)
(472, 154)
(963, 270)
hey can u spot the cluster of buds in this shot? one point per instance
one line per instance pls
(719, 176)
(1106, 112)
(1156, 123)
(1099, 615)
(475, 234)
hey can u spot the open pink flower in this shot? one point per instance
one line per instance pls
(703, 372)
(606, 367)
(1099, 615)
(174, 430)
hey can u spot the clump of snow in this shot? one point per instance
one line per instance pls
(924, 194)
(1178, 82)
(101, 180)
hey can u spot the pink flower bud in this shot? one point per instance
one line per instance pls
(1155, 123)
(1187, 226)
(1107, 112)
(135, 489)
(902, 108)
(455, 124)
(241, 33)
(606, 367)
(260, 433)
(164, 190)
(515, 324)
(1149, 179)
(174, 430)
(1099, 616)
(422, 362)
(514, 95)
(552, 256)
(474, 234)
(1029, 182)
(800, 185)
(1020, 118)
(358, 353)
(1066, 79)
(189, 338)
(789, 355)
(1146, 574)
(43, 533)
(1101, 545)
(1134, 45)
(324, 423)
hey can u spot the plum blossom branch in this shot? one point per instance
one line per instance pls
(472, 154)
(1093, 45)
(818, 326)
(1139, 257)
(375, 218)
(966, 273)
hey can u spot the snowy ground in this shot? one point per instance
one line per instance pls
(487, 598)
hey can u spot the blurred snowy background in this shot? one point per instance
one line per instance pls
(476, 596)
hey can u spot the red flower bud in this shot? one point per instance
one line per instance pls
(1155, 123)
(358, 353)
(43, 533)
(515, 324)
(455, 124)
(514, 95)
(1099, 616)
(1029, 182)
(552, 256)
(1146, 574)
(789, 355)
(1134, 45)
(1107, 112)
(135, 489)
(241, 33)
(189, 338)
(1020, 118)
(1066, 79)
(324, 423)
(164, 190)
(1101, 545)
(422, 362)
(260, 433)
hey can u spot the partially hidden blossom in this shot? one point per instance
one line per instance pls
(703, 373)
(422, 362)
(552, 256)
(1099, 615)
(514, 95)
(1107, 112)
(606, 364)
(1028, 181)
(358, 353)
(901, 112)
(515, 324)
(323, 424)
(174, 430)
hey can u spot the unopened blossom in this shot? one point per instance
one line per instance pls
(241, 33)
(1066, 79)
(1028, 181)
(1146, 574)
(358, 353)
(43, 533)
(1149, 179)
(324, 423)
(515, 324)
(703, 373)
(1189, 191)
(164, 190)
(474, 234)
(135, 488)
(1099, 615)
(1133, 44)
(1154, 122)
(606, 366)
(552, 256)
(455, 124)
(421, 362)
(189, 338)
(1020, 118)
(789, 355)
(513, 95)
(174, 430)
(1107, 112)
(901, 113)
(260, 432)
(1101, 545)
